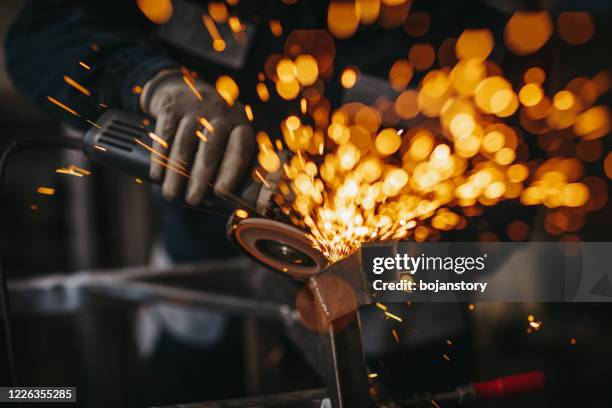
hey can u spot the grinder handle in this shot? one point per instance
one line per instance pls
(121, 141)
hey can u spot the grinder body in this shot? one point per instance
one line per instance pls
(121, 141)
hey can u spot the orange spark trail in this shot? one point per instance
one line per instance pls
(191, 86)
(395, 335)
(249, 112)
(76, 85)
(94, 124)
(218, 43)
(155, 152)
(201, 136)
(61, 105)
(391, 315)
(80, 170)
(45, 190)
(206, 124)
(261, 178)
(170, 167)
(69, 172)
(158, 140)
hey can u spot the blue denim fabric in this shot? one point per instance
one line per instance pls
(190, 235)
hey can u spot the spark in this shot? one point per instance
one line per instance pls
(169, 166)
(94, 124)
(348, 77)
(373, 375)
(84, 65)
(163, 156)
(238, 29)
(76, 85)
(276, 28)
(435, 404)
(230, 197)
(534, 325)
(218, 43)
(69, 172)
(446, 357)
(351, 181)
(206, 124)
(227, 89)
(381, 306)
(73, 170)
(79, 169)
(262, 91)
(201, 135)
(235, 24)
(240, 213)
(395, 335)
(249, 112)
(159, 140)
(191, 86)
(139, 181)
(45, 190)
(259, 176)
(61, 105)
(392, 316)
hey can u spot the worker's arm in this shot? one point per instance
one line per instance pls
(50, 38)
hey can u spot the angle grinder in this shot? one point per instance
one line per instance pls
(122, 140)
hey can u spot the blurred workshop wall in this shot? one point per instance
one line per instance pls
(33, 238)
(98, 221)
(102, 220)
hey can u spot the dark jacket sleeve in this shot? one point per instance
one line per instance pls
(50, 38)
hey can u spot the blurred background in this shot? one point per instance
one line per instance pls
(74, 229)
(107, 220)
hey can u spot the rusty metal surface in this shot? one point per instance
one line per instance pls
(344, 286)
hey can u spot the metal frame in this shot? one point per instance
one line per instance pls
(334, 349)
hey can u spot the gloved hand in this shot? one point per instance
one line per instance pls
(215, 164)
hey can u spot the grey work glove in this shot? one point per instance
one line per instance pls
(215, 164)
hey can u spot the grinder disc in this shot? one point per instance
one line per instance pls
(279, 246)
